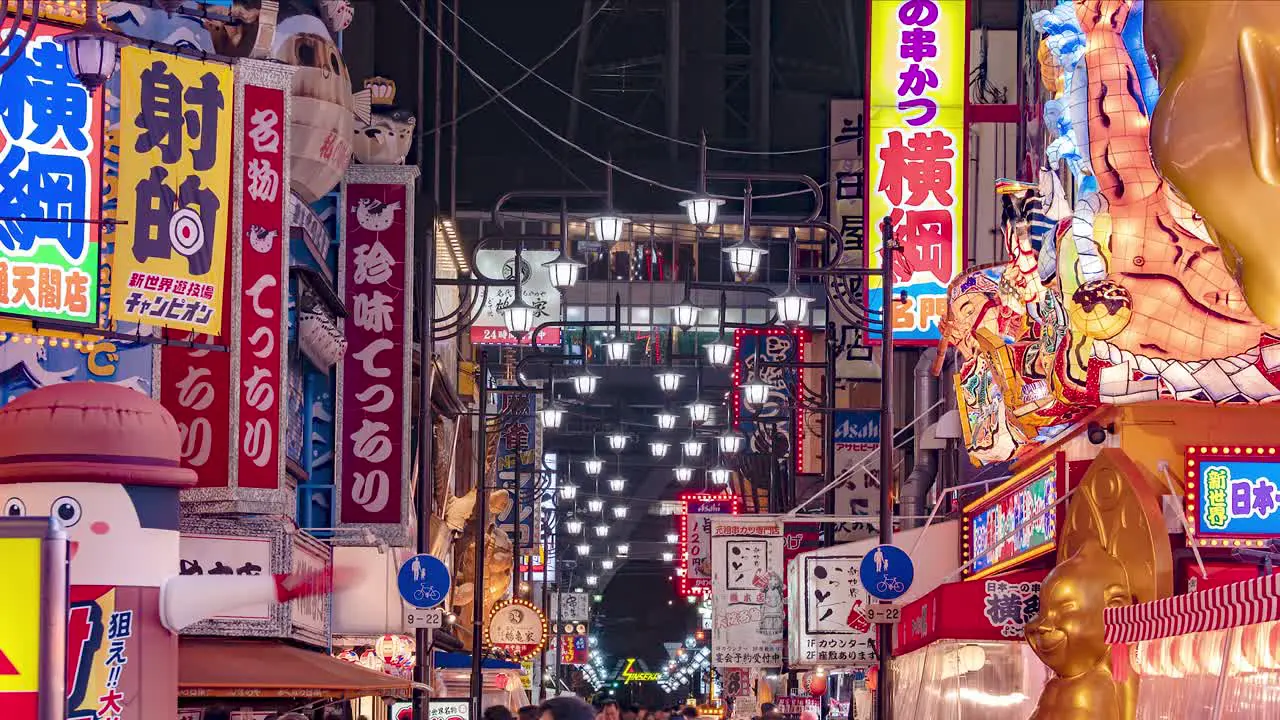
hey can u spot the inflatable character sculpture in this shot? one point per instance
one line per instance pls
(104, 460)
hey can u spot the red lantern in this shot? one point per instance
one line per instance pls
(817, 684)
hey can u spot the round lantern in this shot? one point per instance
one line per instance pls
(816, 684)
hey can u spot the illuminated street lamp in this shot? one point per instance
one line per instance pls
(573, 526)
(595, 505)
(791, 305)
(699, 412)
(684, 314)
(618, 350)
(568, 491)
(730, 441)
(592, 580)
(755, 391)
(745, 256)
(519, 316)
(552, 416)
(620, 512)
(617, 441)
(607, 563)
(584, 549)
(659, 448)
(593, 466)
(666, 420)
(669, 380)
(672, 538)
(702, 209)
(602, 530)
(623, 548)
(719, 352)
(91, 50)
(564, 270)
(684, 474)
(719, 475)
(668, 556)
(692, 447)
(586, 383)
(608, 228)
(618, 484)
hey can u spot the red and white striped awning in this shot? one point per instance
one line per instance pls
(1235, 605)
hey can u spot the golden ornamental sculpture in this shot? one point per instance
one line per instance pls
(1113, 550)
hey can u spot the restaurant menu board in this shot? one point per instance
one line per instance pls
(1233, 494)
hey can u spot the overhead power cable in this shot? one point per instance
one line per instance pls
(638, 128)
(631, 174)
(527, 72)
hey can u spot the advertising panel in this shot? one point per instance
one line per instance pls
(535, 285)
(857, 444)
(175, 180)
(517, 628)
(196, 388)
(446, 709)
(201, 554)
(989, 521)
(1232, 494)
(259, 301)
(995, 608)
(21, 561)
(918, 80)
(827, 622)
(376, 283)
(847, 202)
(746, 592)
(519, 447)
(50, 169)
(763, 354)
(106, 627)
(693, 574)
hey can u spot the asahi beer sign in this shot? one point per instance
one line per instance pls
(536, 289)
(856, 443)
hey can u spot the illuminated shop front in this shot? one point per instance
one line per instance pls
(1116, 343)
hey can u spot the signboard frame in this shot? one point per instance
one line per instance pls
(52, 578)
(697, 587)
(1054, 462)
(1197, 456)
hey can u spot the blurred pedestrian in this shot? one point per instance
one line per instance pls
(569, 708)
(529, 712)
(498, 712)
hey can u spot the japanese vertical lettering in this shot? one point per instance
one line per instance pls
(376, 283)
(50, 159)
(260, 289)
(175, 176)
(916, 151)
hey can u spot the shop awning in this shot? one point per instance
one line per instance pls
(214, 667)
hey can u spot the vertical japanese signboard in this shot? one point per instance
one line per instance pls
(847, 203)
(856, 443)
(259, 299)
(916, 149)
(175, 180)
(376, 284)
(517, 458)
(50, 167)
(826, 620)
(694, 571)
(195, 387)
(765, 355)
(746, 592)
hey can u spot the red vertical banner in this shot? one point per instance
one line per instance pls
(195, 387)
(376, 285)
(260, 306)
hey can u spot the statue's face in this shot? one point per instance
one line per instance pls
(1069, 634)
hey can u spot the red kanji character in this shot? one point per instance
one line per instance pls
(924, 163)
(165, 284)
(110, 705)
(180, 287)
(926, 239)
(136, 279)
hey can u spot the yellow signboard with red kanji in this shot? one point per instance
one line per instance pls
(20, 605)
(915, 157)
(175, 191)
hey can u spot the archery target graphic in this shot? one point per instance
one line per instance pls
(186, 234)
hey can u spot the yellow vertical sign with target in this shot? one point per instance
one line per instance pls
(174, 191)
(20, 604)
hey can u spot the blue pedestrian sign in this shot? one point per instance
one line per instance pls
(423, 581)
(886, 573)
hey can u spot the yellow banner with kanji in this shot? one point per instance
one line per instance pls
(175, 191)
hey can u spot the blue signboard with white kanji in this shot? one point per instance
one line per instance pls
(1233, 494)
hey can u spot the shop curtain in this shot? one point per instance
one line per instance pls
(951, 680)
(1180, 675)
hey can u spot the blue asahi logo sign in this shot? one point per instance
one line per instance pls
(859, 428)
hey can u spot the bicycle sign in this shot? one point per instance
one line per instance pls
(886, 572)
(423, 581)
